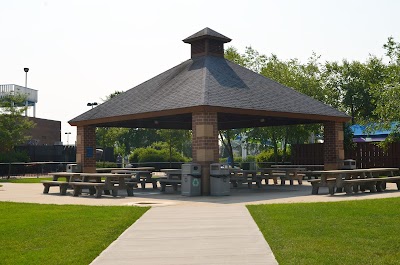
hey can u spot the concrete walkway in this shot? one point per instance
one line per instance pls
(189, 230)
(190, 235)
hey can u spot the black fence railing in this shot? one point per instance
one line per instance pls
(31, 169)
(158, 165)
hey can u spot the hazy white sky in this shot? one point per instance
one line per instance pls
(80, 51)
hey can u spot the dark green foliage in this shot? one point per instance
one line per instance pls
(13, 126)
(106, 164)
(268, 156)
(158, 152)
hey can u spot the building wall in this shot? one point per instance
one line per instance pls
(46, 132)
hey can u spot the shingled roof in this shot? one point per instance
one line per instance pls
(241, 98)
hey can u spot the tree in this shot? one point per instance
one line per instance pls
(13, 126)
(354, 83)
(387, 92)
(306, 78)
(175, 139)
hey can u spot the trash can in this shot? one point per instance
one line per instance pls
(72, 168)
(219, 180)
(349, 164)
(191, 180)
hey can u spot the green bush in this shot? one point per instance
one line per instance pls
(14, 157)
(268, 156)
(246, 163)
(105, 164)
(157, 153)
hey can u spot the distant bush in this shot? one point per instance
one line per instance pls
(268, 156)
(246, 163)
(156, 153)
(106, 164)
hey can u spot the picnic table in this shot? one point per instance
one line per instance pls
(112, 182)
(338, 179)
(55, 182)
(108, 170)
(248, 176)
(141, 176)
(172, 178)
(290, 173)
(298, 166)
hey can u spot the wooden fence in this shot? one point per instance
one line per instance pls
(367, 155)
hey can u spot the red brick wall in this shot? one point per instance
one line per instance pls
(46, 132)
(333, 145)
(209, 143)
(86, 138)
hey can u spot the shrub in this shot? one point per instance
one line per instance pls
(106, 164)
(246, 163)
(267, 156)
(158, 153)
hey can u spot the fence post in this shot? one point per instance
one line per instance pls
(9, 171)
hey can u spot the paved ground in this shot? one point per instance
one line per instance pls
(150, 197)
(191, 235)
(188, 230)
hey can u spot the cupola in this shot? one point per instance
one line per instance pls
(207, 42)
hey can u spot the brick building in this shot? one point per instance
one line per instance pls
(46, 132)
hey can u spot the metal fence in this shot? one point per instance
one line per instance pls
(31, 169)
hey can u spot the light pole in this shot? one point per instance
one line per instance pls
(68, 133)
(92, 104)
(26, 70)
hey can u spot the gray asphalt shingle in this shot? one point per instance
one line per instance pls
(209, 81)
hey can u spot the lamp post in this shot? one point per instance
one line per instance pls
(92, 104)
(26, 70)
(68, 133)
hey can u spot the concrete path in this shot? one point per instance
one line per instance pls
(190, 235)
(189, 230)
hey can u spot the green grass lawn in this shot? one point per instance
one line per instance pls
(349, 232)
(25, 180)
(60, 234)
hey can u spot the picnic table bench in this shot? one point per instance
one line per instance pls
(290, 173)
(55, 182)
(94, 188)
(351, 179)
(169, 182)
(244, 176)
(372, 184)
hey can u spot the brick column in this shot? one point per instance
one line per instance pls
(205, 148)
(86, 148)
(333, 145)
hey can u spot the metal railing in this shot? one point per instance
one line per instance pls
(37, 169)
(32, 94)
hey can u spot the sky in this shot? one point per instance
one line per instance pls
(81, 51)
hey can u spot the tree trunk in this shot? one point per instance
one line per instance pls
(227, 145)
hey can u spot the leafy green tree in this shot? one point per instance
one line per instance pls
(387, 93)
(13, 125)
(226, 137)
(175, 139)
(306, 78)
(354, 83)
